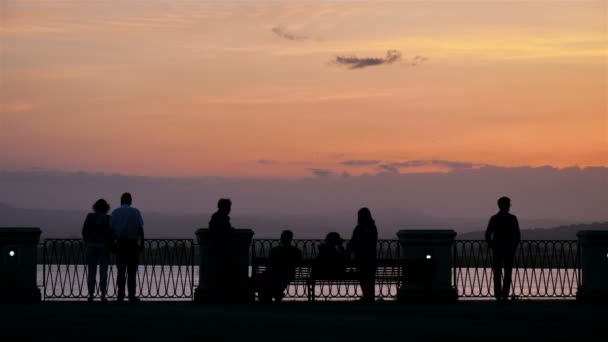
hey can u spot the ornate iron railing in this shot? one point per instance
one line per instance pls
(166, 270)
(541, 268)
(388, 272)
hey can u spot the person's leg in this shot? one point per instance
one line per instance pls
(279, 287)
(497, 269)
(104, 260)
(508, 266)
(132, 264)
(92, 258)
(367, 281)
(121, 267)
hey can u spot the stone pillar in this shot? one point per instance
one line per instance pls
(18, 265)
(427, 257)
(593, 253)
(224, 271)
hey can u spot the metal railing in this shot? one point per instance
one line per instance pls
(166, 270)
(388, 272)
(541, 269)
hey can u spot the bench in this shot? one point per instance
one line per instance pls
(389, 271)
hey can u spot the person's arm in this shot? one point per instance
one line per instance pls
(109, 234)
(86, 227)
(490, 232)
(354, 240)
(517, 232)
(140, 231)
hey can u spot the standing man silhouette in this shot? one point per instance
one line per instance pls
(503, 236)
(128, 227)
(221, 251)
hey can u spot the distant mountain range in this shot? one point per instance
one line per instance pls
(68, 223)
(565, 232)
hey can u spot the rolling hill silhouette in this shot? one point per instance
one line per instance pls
(68, 223)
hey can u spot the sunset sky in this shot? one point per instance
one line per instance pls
(301, 88)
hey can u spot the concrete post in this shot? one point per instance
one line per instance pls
(224, 271)
(427, 255)
(593, 253)
(18, 265)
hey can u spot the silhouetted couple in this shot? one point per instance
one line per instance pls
(503, 236)
(123, 233)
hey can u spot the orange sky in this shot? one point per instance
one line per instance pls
(182, 88)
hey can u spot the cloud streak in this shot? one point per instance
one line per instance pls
(282, 32)
(452, 165)
(354, 62)
(360, 162)
(321, 173)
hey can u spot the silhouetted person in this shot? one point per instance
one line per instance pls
(281, 269)
(128, 227)
(97, 236)
(503, 236)
(332, 259)
(363, 246)
(221, 251)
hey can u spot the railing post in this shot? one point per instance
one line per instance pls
(18, 265)
(224, 280)
(427, 257)
(593, 247)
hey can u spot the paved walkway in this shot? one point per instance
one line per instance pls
(177, 321)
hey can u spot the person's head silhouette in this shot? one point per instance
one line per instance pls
(224, 205)
(286, 237)
(101, 206)
(333, 239)
(126, 199)
(504, 204)
(364, 216)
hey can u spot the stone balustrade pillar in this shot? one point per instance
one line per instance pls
(593, 252)
(18, 265)
(224, 270)
(427, 257)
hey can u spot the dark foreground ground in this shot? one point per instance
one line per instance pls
(537, 320)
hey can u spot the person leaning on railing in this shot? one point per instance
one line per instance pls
(97, 236)
(221, 251)
(128, 227)
(503, 236)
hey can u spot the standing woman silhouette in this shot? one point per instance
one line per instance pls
(363, 246)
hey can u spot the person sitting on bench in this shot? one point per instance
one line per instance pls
(332, 258)
(281, 269)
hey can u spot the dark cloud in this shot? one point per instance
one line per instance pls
(321, 172)
(453, 165)
(283, 33)
(389, 167)
(353, 62)
(360, 162)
